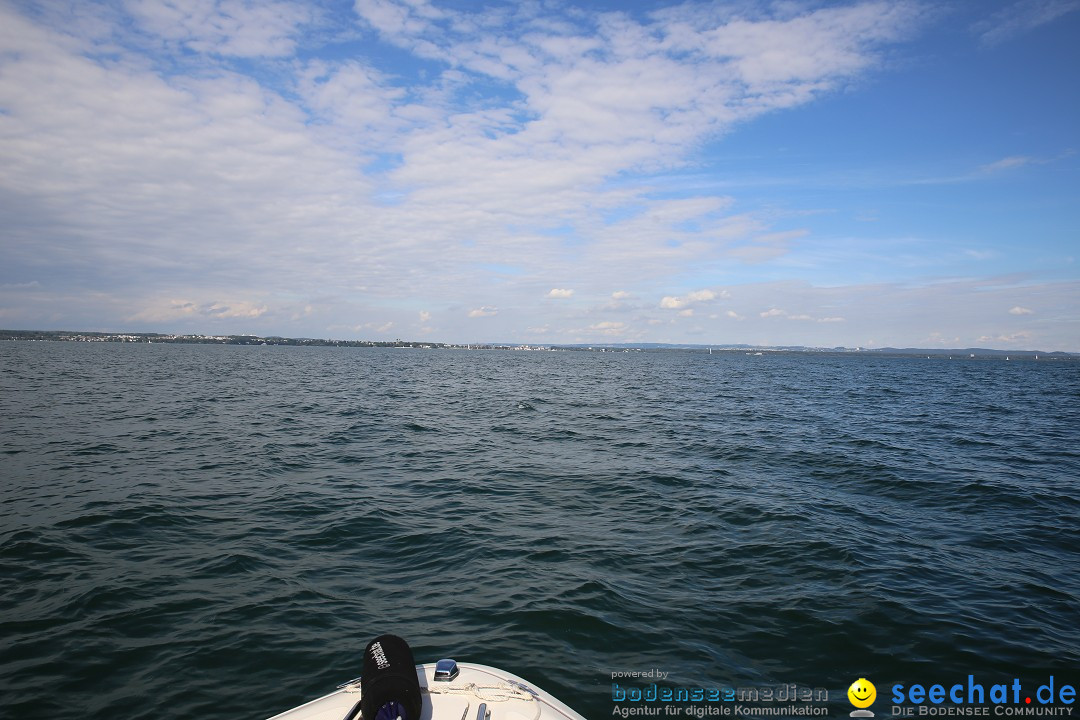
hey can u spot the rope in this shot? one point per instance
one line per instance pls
(501, 692)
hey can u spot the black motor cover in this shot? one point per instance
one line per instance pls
(389, 685)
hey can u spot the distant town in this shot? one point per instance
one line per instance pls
(167, 338)
(162, 338)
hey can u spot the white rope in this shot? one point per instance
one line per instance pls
(501, 692)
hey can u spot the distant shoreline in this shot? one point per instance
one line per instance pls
(172, 338)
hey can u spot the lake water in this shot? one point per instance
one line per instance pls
(217, 531)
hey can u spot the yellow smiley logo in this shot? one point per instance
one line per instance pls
(862, 693)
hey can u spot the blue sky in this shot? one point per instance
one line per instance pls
(862, 173)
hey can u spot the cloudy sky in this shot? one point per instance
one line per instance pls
(859, 173)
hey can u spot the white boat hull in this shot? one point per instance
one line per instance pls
(506, 696)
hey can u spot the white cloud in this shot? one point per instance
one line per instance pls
(609, 327)
(235, 310)
(1008, 163)
(1008, 339)
(225, 27)
(765, 247)
(222, 171)
(355, 99)
(166, 311)
(688, 312)
(304, 312)
(1017, 310)
(560, 293)
(602, 94)
(165, 177)
(672, 302)
(172, 310)
(990, 170)
(159, 176)
(803, 317)
(1021, 17)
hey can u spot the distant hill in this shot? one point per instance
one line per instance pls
(967, 352)
(89, 336)
(955, 352)
(686, 346)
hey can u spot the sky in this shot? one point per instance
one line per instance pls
(861, 174)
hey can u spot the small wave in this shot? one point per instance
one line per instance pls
(417, 427)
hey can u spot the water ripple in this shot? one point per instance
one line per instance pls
(217, 531)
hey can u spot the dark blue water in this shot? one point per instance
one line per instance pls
(216, 532)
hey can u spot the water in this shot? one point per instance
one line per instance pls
(216, 532)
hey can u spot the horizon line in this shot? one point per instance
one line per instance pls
(582, 344)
